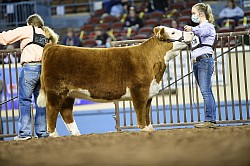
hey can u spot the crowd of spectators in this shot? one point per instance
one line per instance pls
(123, 20)
(132, 20)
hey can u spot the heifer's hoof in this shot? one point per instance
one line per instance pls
(150, 127)
(145, 129)
(54, 134)
(76, 134)
(73, 129)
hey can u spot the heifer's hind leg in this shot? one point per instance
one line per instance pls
(67, 115)
(53, 106)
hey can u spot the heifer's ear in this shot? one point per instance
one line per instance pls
(163, 35)
(157, 29)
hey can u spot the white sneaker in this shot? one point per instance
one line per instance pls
(17, 138)
(205, 125)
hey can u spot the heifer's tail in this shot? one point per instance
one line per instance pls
(41, 99)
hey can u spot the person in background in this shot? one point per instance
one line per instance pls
(117, 8)
(70, 39)
(202, 58)
(231, 11)
(132, 20)
(174, 24)
(148, 7)
(160, 5)
(33, 38)
(100, 36)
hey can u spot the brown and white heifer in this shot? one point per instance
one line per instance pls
(106, 74)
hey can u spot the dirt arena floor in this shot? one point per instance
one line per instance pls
(225, 146)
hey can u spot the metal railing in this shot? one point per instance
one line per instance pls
(184, 107)
(15, 14)
(9, 111)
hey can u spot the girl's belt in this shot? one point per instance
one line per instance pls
(32, 63)
(197, 59)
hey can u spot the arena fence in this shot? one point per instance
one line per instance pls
(15, 14)
(178, 104)
(7, 116)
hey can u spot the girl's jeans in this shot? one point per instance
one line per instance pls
(203, 71)
(28, 84)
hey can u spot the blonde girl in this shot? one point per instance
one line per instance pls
(202, 58)
(33, 38)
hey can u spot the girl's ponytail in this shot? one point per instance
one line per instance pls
(50, 34)
(209, 14)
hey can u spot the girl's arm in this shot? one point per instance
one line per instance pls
(202, 31)
(14, 35)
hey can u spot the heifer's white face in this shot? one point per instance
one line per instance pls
(174, 36)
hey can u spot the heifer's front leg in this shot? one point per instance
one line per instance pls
(52, 110)
(148, 121)
(67, 115)
(139, 98)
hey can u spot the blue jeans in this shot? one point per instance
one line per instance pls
(203, 71)
(28, 84)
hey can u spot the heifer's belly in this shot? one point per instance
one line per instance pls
(85, 94)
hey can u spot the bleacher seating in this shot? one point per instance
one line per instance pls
(180, 11)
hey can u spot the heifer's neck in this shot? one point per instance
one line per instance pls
(177, 47)
(155, 51)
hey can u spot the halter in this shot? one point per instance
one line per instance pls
(181, 39)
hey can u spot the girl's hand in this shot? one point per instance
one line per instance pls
(187, 28)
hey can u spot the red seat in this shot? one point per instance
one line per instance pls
(178, 6)
(104, 26)
(156, 15)
(140, 36)
(146, 31)
(224, 29)
(231, 22)
(94, 20)
(247, 13)
(166, 21)
(124, 33)
(186, 12)
(151, 22)
(121, 38)
(117, 25)
(184, 19)
(239, 28)
(87, 28)
(109, 19)
(240, 22)
(172, 13)
(99, 12)
(191, 4)
(89, 43)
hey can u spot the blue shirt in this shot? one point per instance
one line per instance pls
(207, 33)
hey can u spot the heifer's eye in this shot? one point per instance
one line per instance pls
(173, 33)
